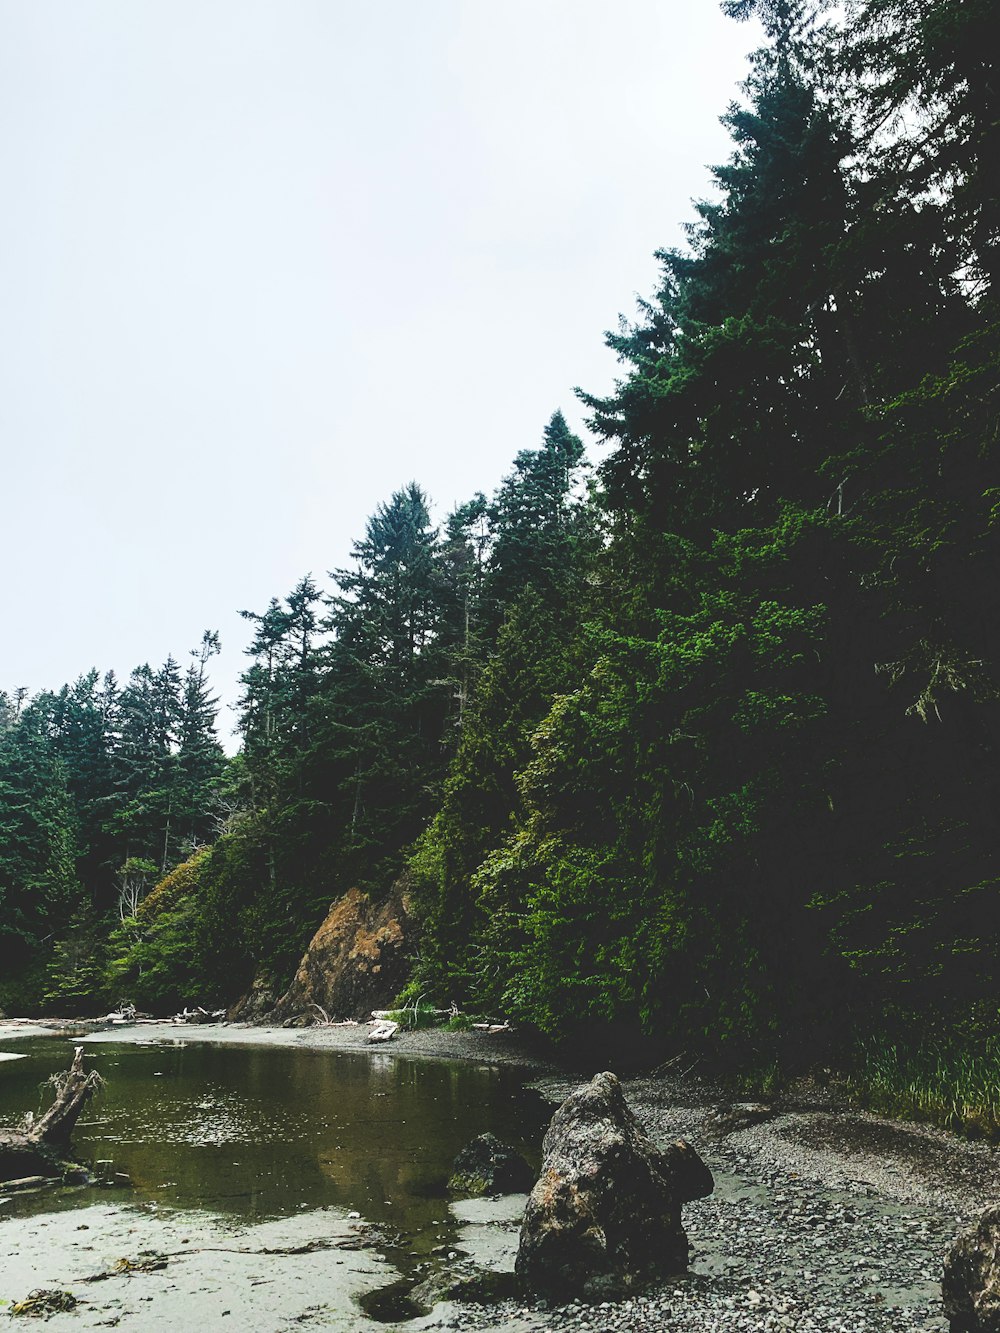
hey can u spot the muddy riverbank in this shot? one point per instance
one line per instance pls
(824, 1220)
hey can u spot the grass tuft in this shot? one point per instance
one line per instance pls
(955, 1087)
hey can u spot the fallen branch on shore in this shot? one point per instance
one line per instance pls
(125, 1013)
(411, 1012)
(326, 1021)
(412, 1009)
(199, 1015)
(384, 1029)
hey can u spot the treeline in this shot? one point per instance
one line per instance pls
(704, 745)
(141, 865)
(103, 788)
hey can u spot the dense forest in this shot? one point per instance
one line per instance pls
(702, 743)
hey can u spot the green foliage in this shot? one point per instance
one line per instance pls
(152, 963)
(172, 952)
(538, 522)
(38, 884)
(647, 789)
(460, 1023)
(708, 748)
(75, 972)
(415, 1016)
(182, 882)
(535, 652)
(757, 773)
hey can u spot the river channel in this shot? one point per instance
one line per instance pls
(246, 1135)
(263, 1132)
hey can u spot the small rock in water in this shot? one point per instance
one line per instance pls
(487, 1166)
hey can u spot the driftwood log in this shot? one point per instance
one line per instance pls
(42, 1147)
(383, 1029)
(199, 1015)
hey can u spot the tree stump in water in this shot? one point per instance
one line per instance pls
(42, 1148)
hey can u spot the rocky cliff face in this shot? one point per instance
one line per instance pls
(357, 960)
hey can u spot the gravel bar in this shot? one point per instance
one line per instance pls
(824, 1220)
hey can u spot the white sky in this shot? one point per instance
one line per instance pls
(264, 261)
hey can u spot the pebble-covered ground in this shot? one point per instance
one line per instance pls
(822, 1221)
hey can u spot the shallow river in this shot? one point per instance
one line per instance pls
(264, 1132)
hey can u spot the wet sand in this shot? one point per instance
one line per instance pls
(212, 1276)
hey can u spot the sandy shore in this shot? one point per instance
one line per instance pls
(429, 1043)
(824, 1219)
(130, 1268)
(161, 1269)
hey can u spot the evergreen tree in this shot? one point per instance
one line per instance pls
(536, 655)
(381, 711)
(536, 520)
(277, 686)
(79, 720)
(930, 114)
(540, 549)
(200, 758)
(166, 759)
(38, 886)
(742, 371)
(385, 614)
(461, 565)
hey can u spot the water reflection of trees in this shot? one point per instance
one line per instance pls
(252, 1131)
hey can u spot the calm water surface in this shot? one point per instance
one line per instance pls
(256, 1133)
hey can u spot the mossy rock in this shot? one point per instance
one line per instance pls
(487, 1166)
(465, 1283)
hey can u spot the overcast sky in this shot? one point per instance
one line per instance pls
(264, 261)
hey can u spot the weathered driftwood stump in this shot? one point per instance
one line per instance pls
(604, 1217)
(971, 1282)
(42, 1148)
